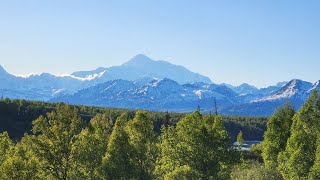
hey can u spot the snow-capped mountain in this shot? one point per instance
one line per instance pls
(164, 94)
(45, 86)
(36, 87)
(143, 83)
(271, 89)
(141, 66)
(243, 89)
(249, 92)
(294, 89)
(295, 92)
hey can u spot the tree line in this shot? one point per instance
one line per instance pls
(291, 146)
(16, 118)
(63, 146)
(85, 142)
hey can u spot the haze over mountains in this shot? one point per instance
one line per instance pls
(143, 83)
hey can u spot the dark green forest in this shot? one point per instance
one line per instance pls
(42, 140)
(16, 118)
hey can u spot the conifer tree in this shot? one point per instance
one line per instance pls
(91, 146)
(168, 156)
(315, 170)
(141, 137)
(300, 153)
(277, 134)
(117, 162)
(240, 140)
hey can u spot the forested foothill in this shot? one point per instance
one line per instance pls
(16, 118)
(42, 140)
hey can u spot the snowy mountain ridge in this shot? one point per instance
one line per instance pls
(48, 85)
(143, 83)
(163, 94)
(166, 94)
(295, 87)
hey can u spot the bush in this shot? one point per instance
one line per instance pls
(252, 170)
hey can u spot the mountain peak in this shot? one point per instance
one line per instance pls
(138, 59)
(246, 85)
(296, 84)
(294, 81)
(243, 89)
(291, 89)
(140, 56)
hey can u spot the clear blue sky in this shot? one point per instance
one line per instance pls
(258, 42)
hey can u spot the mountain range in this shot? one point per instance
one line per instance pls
(143, 83)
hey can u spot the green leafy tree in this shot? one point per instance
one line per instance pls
(91, 146)
(168, 159)
(277, 134)
(300, 153)
(20, 162)
(197, 143)
(315, 170)
(54, 139)
(6, 145)
(240, 140)
(142, 139)
(252, 170)
(117, 162)
(240, 143)
(183, 173)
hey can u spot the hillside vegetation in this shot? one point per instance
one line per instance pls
(291, 146)
(16, 117)
(81, 142)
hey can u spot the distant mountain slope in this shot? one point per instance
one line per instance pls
(294, 89)
(36, 87)
(244, 89)
(166, 94)
(9, 81)
(158, 95)
(295, 92)
(249, 93)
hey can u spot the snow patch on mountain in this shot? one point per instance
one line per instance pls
(315, 86)
(295, 87)
(155, 95)
(86, 78)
